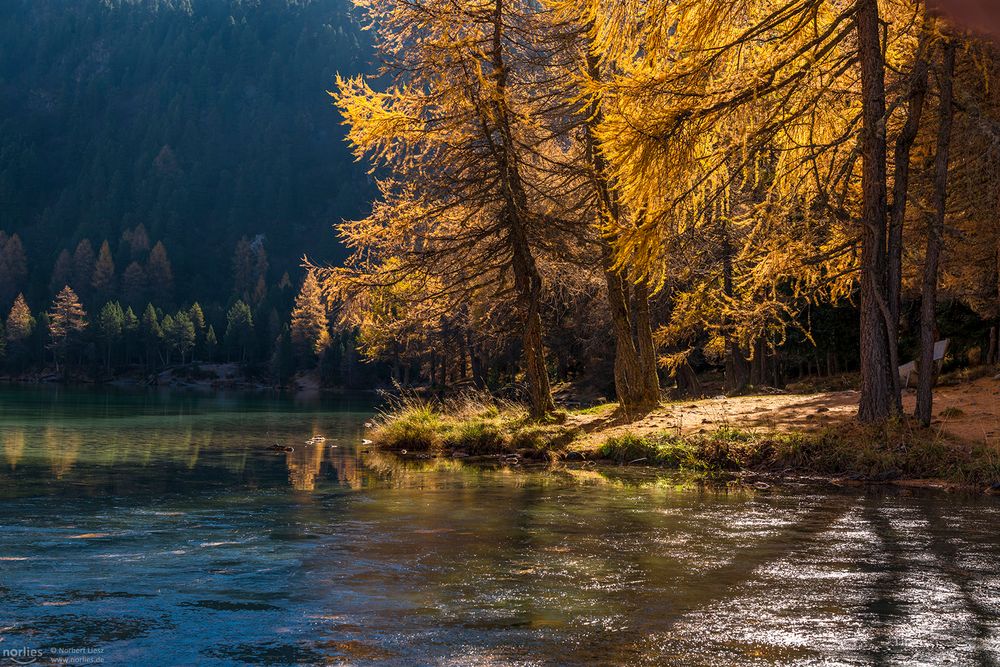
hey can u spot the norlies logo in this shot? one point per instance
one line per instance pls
(56, 656)
(23, 656)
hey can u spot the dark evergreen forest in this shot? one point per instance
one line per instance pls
(204, 121)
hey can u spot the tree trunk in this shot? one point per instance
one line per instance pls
(647, 348)
(463, 358)
(897, 212)
(991, 350)
(935, 229)
(687, 380)
(632, 382)
(760, 371)
(877, 403)
(527, 280)
(395, 362)
(627, 371)
(479, 374)
(528, 284)
(737, 373)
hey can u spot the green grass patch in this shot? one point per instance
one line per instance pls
(472, 424)
(716, 452)
(895, 451)
(479, 426)
(417, 428)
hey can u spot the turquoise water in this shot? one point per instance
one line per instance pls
(158, 529)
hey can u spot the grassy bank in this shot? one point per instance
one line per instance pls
(471, 426)
(874, 454)
(477, 427)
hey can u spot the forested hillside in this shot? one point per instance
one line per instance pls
(204, 121)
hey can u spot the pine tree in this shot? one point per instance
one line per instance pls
(250, 270)
(130, 329)
(138, 242)
(310, 332)
(197, 318)
(83, 267)
(456, 125)
(20, 322)
(168, 329)
(131, 321)
(13, 269)
(244, 279)
(239, 329)
(283, 359)
(211, 343)
(259, 291)
(62, 272)
(111, 326)
(103, 279)
(179, 333)
(151, 333)
(67, 322)
(260, 264)
(160, 274)
(134, 285)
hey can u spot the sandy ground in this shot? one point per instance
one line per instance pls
(969, 411)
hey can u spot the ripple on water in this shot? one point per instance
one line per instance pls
(172, 540)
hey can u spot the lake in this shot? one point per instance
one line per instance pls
(158, 529)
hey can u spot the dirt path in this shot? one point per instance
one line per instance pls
(969, 411)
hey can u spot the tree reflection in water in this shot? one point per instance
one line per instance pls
(180, 524)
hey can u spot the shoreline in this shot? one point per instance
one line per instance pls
(819, 440)
(201, 376)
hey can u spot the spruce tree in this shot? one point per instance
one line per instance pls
(13, 268)
(103, 280)
(83, 267)
(160, 274)
(20, 322)
(131, 333)
(151, 334)
(211, 343)
(182, 336)
(62, 272)
(134, 284)
(111, 325)
(197, 317)
(309, 331)
(67, 322)
(239, 329)
(168, 328)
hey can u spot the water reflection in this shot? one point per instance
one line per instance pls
(167, 531)
(62, 448)
(13, 446)
(304, 465)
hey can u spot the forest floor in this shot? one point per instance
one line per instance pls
(777, 432)
(967, 411)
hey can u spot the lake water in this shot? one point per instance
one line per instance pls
(157, 529)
